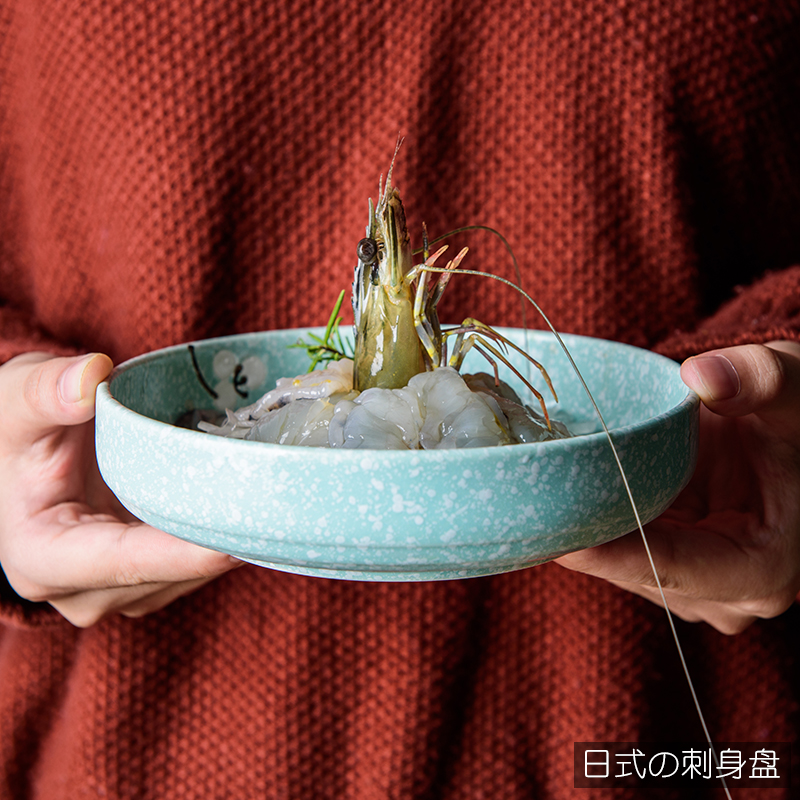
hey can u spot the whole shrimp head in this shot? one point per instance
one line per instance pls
(388, 352)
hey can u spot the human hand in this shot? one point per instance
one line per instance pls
(64, 537)
(728, 550)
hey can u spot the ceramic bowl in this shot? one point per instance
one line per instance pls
(390, 515)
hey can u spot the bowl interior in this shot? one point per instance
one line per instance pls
(629, 385)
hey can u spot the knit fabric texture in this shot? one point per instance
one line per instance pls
(177, 169)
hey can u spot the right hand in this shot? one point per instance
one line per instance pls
(64, 537)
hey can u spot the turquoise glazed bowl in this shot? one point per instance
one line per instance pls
(394, 515)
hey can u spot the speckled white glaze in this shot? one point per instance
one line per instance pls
(398, 516)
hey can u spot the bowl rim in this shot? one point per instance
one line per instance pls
(106, 398)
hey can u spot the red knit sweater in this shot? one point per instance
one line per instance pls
(178, 169)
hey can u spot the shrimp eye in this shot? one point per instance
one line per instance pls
(367, 251)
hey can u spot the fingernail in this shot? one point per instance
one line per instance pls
(718, 376)
(70, 380)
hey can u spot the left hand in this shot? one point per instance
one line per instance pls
(728, 550)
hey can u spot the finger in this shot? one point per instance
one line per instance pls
(74, 551)
(168, 594)
(725, 617)
(85, 609)
(698, 563)
(39, 394)
(750, 379)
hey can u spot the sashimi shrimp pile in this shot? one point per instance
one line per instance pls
(400, 390)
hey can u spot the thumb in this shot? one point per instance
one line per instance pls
(39, 393)
(749, 379)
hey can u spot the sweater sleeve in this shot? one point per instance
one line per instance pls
(19, 333)
(767, 310)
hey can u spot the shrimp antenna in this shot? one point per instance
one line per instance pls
(627, 490)
(517, 271)
(400, 140)
(466, 228)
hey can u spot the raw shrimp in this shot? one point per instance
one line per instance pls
(337, 379)
(400, 391)
(396, 325)
(439, 409)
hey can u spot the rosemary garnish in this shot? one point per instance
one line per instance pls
(330, 347)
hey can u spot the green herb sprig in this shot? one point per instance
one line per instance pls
(331, 346)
